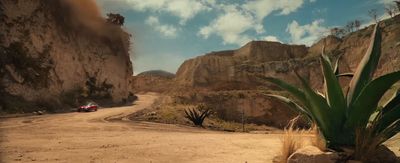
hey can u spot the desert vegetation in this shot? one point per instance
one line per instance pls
(352, 120)
(197, 114)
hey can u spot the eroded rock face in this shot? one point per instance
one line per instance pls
(237, 69)
(233, 67)
(52, 51)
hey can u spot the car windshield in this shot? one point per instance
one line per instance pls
(89, 104)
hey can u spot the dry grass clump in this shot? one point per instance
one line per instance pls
(294, 139)
(317, 139)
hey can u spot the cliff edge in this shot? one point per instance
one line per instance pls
(56, 54)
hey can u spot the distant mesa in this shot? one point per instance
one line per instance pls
(158, 73)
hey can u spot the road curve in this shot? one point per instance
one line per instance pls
(91, 137)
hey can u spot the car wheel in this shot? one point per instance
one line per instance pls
(79, 110)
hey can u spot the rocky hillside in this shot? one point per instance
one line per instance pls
(218, 69)
(153, 81)
(159, 73)
(59, 53)
(236, 69)
(217, 77)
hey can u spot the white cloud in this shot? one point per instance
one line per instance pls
(263, 8)
(236, 20)
(231, 26)
(386, 1)
(307, 34)
(165, 30)
(271, 38)
(184, 9)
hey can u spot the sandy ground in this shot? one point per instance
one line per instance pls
(94, 137)
(98, 137)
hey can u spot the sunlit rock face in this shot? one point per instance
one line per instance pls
(238, 67)
(57, 52)
(218, 76)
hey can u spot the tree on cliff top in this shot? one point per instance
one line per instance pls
(398, 4)
(116, 19)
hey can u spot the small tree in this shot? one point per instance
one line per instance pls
(350, 26)
(198, 114)
(398, 5)
(116, 19)
(338, 32)
(357, 24)
(335, 32)
(373, 13)
(391, 10)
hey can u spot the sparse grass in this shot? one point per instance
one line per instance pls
(164, 111)
(293, 139)
(317, 139)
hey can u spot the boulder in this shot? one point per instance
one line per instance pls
(311, 154)
(383, 155)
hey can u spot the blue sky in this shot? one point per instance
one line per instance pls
(167, 32)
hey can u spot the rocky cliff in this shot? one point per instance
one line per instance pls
(237, 67)
(58, 53)
(227, 67)
(228, 71)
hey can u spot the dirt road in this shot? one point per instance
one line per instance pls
(95, 137)
(92, 137)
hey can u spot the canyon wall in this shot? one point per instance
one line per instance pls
(220, 75)
(58, 53)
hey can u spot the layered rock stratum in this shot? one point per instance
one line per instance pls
(54, 53)
(239, 66)
(218, 77)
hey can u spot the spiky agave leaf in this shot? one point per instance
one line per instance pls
(366, 68)
(347, 74)
(292, 105)
(334, 94)
(336, 66)
(367, 102)
(393, 102)
(296, 92)
(196, 115)
(389, 113)
(319, 109)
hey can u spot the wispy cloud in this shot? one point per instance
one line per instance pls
(308, 33)
(231, 25)
(184, 9)
(169, 31)
(271, 38)
(235, 20)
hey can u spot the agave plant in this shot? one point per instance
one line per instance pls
(339, 115)
(198, 114)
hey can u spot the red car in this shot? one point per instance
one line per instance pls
(88, 107)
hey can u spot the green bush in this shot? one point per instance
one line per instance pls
(339, 115)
